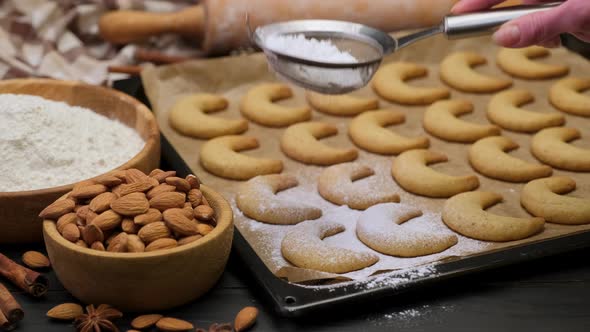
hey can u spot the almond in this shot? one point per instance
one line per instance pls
(58, 209)
(117, 190)
(189, 239)
(83, 184)
(195, 197)
(161, 177)
(131, 205)
(168, 200)
(71, 232)
(135, 187)
(82, 210)
(179, 223)
(245, 319)
(80, 222)
(102, 202)
(145, 321)
(160, 244)
(35, 260)
(134, 175)
(110, 237)
(90, 216)
(205, 202)
(162, 188)
(204, 229)
(134, 244)
(204, 213)
(152, 215)
(87, 192)
(92, 233)
(119, 174)
(194, 181)
(153, 231)
(81, 243)
(129, 227)
(155, 171)
(98, 246)
(188, 210)
(108, 180)
(107, 220)
(173, 324)
(68, 218)
(180, 183)
(119, 243)
(65, 311)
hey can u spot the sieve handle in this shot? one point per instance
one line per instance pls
(481, 23)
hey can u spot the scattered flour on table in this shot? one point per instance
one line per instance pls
(44, 143)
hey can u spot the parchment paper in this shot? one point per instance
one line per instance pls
(233, 76)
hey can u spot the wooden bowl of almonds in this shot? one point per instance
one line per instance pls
(54, 134)
(139, 242)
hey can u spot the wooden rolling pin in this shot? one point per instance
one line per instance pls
(220, 25)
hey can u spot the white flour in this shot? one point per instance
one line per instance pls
(44, 143)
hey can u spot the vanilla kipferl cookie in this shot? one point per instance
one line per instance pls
(380, 228)
(410, 170)
(440, 120)
(551, 147)
(336, 184)
(390, 83)
(457, 71)
(257, 199)
(504, 110)
(465, 214)
(490, 157)
(566, 95)
(367, 131)
(301, 142)
(518, 62)
(544, 198)
(221, 157)
(258, 106)
(303, 247)
(341, 105)
(189, 117)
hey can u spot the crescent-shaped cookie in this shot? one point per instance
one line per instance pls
(336, 184)
(566, 95)
(440, 120)
(504, 110)
(220, 157)
(490, 157)
(341, 105)
(257, 199)
(301, 142)
(189, 117)
(544, 198)
(380, 228)
(466, 215)
(517, 62)
(551, 147)
(258, 105)
(303, 247)
(390, 83)
(410, 170)
(367, 132)
(457, 71)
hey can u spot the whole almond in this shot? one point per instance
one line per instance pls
(102, 202)
(98, 246)
(135, 187)
(107, 220)
(92, 233)
(58, 209)
(35, 260)
(161, 177)
(71, 233)
(188, 210)
(65, 311)
(155, 171)
(204, 213)
(82, 244)
(177, 221)
(152, 215)
(80, 222)
(162, 188)
(82, 211)
(90, 216)
(195, 197)
(205, 202)
(87, 192)
(119, 243)
(108, 180)
(119, 174)
(194, 181)
(245, 319)
(68, 218)
(134, 244)
(129, 227)
(153, 231)
(117, 190)
(83, 184)
(160, 244)
(180, 183)
(134, 175)
(168, 200)
(173, 324)
(110, 237)
(131, 205)
(204, 229)
(189, 239)
(145, 321)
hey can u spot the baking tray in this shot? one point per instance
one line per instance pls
(293, 300)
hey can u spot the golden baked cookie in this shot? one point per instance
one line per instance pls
(544, 198)
(380, 228)
(336, 184)
(257, 199)
(303, 247)
(490, 157)
(189, 117)
(258, 106)
(390, 83)
(518, 63)
(341, 105)
(504, 110)
(410, 170)
(457, 71)
(220, 156)
(440, 120)
(465, 214)
(566, 95)
(551, 147)
(301, 142)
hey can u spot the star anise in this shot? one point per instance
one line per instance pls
(98, 319)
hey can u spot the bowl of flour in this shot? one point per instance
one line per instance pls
(54, 134)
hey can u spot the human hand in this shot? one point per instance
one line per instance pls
(543, 28)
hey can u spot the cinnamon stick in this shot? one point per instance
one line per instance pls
(28, 280)
(5, 324)
(132, 70)
(9, 306)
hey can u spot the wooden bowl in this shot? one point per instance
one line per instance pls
(148, 281)
(19, 221)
